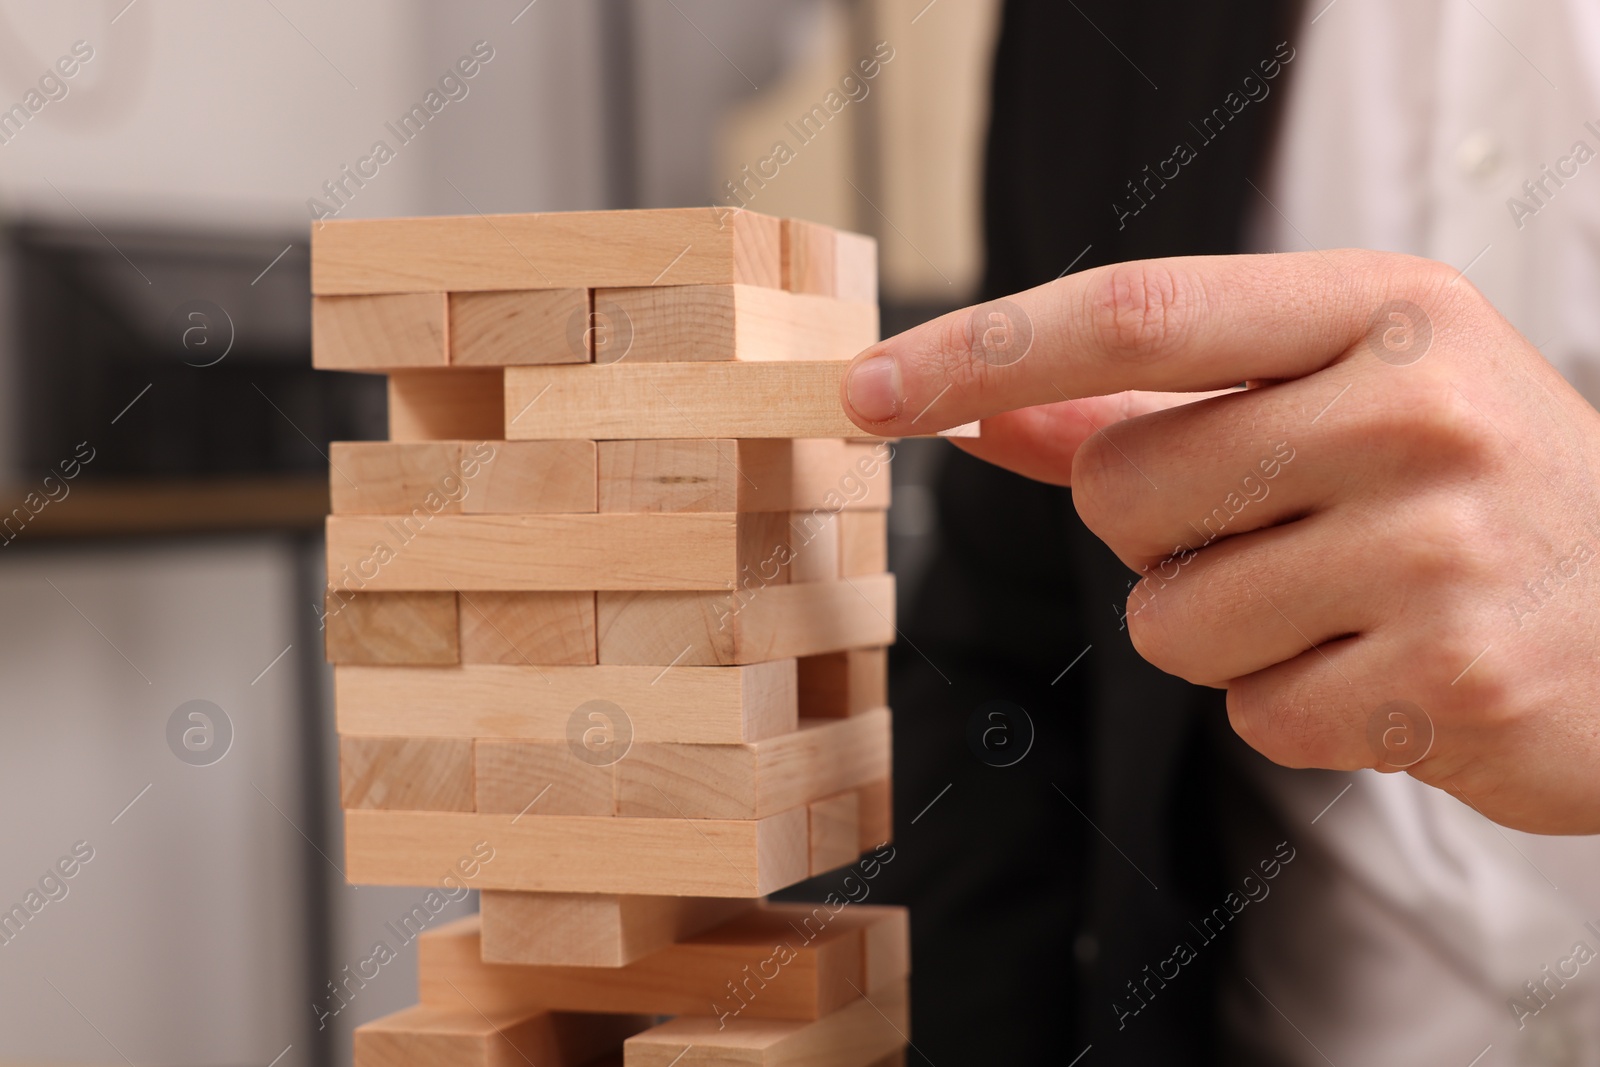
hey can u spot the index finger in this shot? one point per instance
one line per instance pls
(1166, 325)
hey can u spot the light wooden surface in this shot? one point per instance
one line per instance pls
(815, 538)
(687, 705)
(393, 478)
(406, 773)
(390, 628)
(527, 628)
(508, 328)
(750, 781)
(699, 323)
(767, 622)
(624, 400)
(445, 405)
(835, 831)
(676, 246)
(877, 815)
(541, 778)
(593, 929)
(858, 1035)
(581, 854)
(727, 474)
(547, 552)
(809, 257)
(840, 684)
(534, 477)
(824, 955)
(373, 333)
(428, 1035)
(855, 267)
(863, 543)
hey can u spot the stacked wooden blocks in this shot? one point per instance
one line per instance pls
(609, 612)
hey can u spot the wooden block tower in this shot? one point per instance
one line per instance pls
(609, 612)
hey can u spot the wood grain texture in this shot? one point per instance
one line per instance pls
(694, 705)
(534, 478)
(840, 684)
(701, 323)
(810, 475)
(390, 628)
(814, 537)
(627, 400)
(593, 929)
(470, 253)
(405, 477)
(406, 773)
(751, 781)
(703, 550)
(877, 814)
(750, 625)
(375, 333)
(515, 327)
(855, 267)
(810, 255)
(857, 1035)
(527, 628)
(538, 778)
(427, 1035)
(835, 831)
(447, 405)
(863, 543)
(580, 853)
(779, 961)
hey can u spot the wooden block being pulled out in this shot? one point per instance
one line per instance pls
(527, 628)
(559, 250)
(820, 759)
(823, 475)
(377, 333)
(700, 323)
(750, 625)
(406, 773)
(779, 961)
(685, 705)
(447, 405)
(593, 929)
(624, 400)
(580, 853)
(389, 628)
(426, 1035)
(516, 327)
(552, 553)
(861, 1034)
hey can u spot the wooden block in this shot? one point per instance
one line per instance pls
(390, 628)
(877, 814)
(835, 832)
(538, 778)
(752, 781)
(519, 326)
(406, 773)
(427, 1035)
(814, 538)
(813, 475)
(749, 625)
(446, 405)
(615, 401)
(691, 705)
(527, 628)
(593, 929)
(374, 333)
(678, 246)
(857, 1035)
(413, 478)
(533, 478)
(786, 961)
(810, 256)
(580, 853)
(855, 273)
(701, 323)
(863, 543)
(546, 553)
(840, 684)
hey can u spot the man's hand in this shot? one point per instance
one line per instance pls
(1386, 550)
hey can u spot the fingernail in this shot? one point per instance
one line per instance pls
(873, 388)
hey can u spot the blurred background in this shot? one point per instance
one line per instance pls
(162, 434)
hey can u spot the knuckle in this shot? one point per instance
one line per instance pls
(1140, 310)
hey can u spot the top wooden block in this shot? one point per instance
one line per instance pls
(557, 250)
